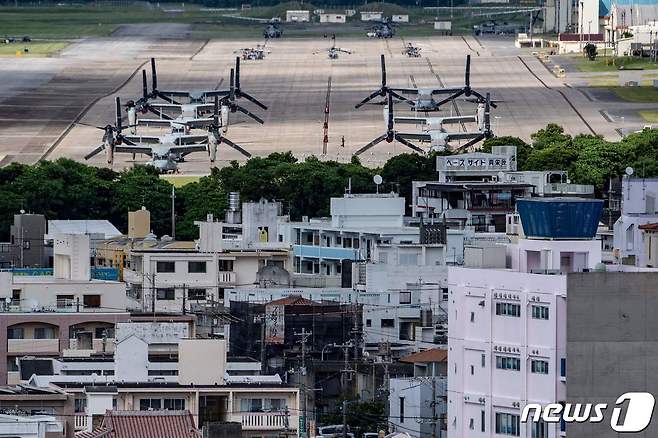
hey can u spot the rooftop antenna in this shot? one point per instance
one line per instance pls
(377, 179)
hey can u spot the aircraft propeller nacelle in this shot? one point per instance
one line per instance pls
(132, 119)
(434, 124)
(481, 116)
(438, 142)
(212, 152)
(109, 153)
(224, 113)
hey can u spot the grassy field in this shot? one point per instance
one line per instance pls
(614, 64)
(650, 116)
(35, 48)
(180, 180)
(636, 94)
(69, 22)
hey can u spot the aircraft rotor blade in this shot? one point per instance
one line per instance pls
(371, 144)
(237, 72)
(390, 113)
(467, 73)
(367, 99)
(249, 113)
(472, 141)
(383, 62)
(408, 144)
(449, 98)
(95, 152)
(251, 99)
(236, 147)
(145, 89)
(154, 77)
(215, 114)
(482, 98)
(118, 114)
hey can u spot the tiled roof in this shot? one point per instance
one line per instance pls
(433, 355)
(649, 227)
(292, 300)
(144, 424)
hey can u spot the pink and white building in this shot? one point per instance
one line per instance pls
(507, 327)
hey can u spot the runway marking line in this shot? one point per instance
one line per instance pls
(564, 96)
(86, 109)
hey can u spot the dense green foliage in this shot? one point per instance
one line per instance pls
(65, 189)
(362, 416)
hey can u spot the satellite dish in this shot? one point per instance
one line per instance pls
(629, 171)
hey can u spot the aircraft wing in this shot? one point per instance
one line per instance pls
(142, 139)
(162, 105)
(462, 135)
(214, 93)
(190, 139)
(405, 90)
(133, 149)
(415, 136)
(447, 90)
(411, 120)
(174, 93)
(459, 119)
(189, 148)
(155, 122)
(198, 123)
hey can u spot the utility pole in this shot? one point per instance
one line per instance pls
(153, 293)
(435, 419)
(344, 418)
(173, 212)
(303, 335)
(184, 297)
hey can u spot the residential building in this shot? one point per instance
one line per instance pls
(417, 404)
(145, 424)
(26, 247)
(333, 18)
(371, 16)
(400, 18)
(301, 16)
(650, 239)
(507, 322)
(610, 350)
(30, 426)
(357, 225)
(41, 412)
(638, 207)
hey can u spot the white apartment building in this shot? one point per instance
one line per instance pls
(357, 225)
(638, 207)
(69, 287)
(507, 327)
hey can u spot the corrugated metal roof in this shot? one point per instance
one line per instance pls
(145, 424)
(84, 226)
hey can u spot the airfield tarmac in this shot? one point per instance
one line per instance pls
(42, 97)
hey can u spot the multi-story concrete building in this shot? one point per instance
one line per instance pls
(507, 327)
(358, 224)
(638, 207)
(417, 405)
(611, 343)
(38, 412)
(26, 247)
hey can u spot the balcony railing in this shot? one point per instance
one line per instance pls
(265, 420)
(31, 346)
(227, 277)
(80, 421)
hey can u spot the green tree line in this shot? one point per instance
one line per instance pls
(65, 189)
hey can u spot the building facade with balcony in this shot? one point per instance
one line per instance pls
(507, 327)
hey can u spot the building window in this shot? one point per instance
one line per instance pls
(174, 404)
(472, 316)
(471, 423)
(166, 293)
(80, 405)
(508, 424)
(368, 322)
(508, 363)
(44, 333)
(508, 309)
(150, 404)
(444, 293)
(196, 294)
(165, 267)
(15, 333)
(482, 421)
(91, 301)
(251, 405)
(405, 297)
(563, 367)
(225, 265)
(12, 364)
(484, 358)
(472, 370)
(387, 323)
(540, 429)
(64, 301)
(540, 312)
(539, 366)
(196, 267)
(104, 332)
(401, 409)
